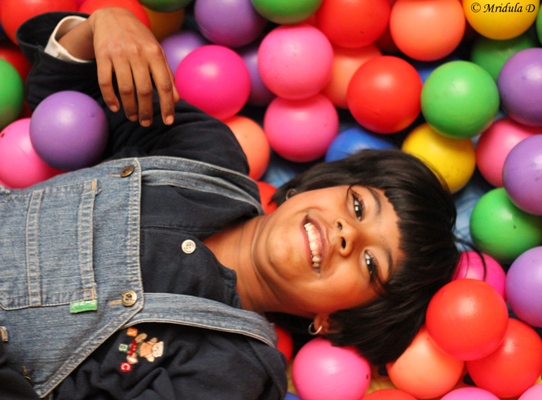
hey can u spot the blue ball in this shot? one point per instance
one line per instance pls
(291, 396)
(354, 139)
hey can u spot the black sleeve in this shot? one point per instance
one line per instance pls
(13, 386)
(194, 135)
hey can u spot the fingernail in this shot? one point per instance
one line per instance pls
(169, 119)
(145, 122)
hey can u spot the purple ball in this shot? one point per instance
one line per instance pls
(522, 175)
(520, 87)
(524, 286)
(178, 45)
(260, 95)
(231, 23)
(69, 130)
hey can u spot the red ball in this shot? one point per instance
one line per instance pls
(266, 194)
(15, 12)
(353, 23)
(467, 319)
(389, 394)
(13, 55)
(89, 6)
(514, 366)
(384, 94)
(285, 343)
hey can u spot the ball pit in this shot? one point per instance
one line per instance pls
(389, 394)
(13, 55)
(286, 11)
(469, 393)
(11, 94)
(484, 268)
(354, 139)
(178, 45)
(259, 95)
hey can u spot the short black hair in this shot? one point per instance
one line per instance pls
(383, 329)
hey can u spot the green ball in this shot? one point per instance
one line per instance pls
(501, 230)
(459, 99)
(491, 54)
(539, 25)
(11, 94)
(165, 5)
(286, 11)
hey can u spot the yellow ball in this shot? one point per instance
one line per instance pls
(501, 20)
(453, 160)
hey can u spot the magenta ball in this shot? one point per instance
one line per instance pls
(178, 45)
(533, 393)
(69, 130)
(260, 95)
(323, 371)
(471, 266)
(495, 143)
(301, 130)
(522, 175)
(520, 86)
(20, 165)
(469, 393)
(295, 61)
(524, 286)
(231, 23)
(215, 79)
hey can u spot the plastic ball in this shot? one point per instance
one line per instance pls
(345, 63)
(352, 140)
(533, 393)
(469, 393)
(520, 87)
(229, 23)
(285, 343)
(165, 6)
(291, 396)
(353, 23)
(539, 26)
(471, 266)
(267, 191)
(11, 94)
(514, 366)
(13, 54)
(524, 283)
(295, 61)
(215, 79)
(494, 145)
(260, 95)
(454, 160)
(460, 99)
(286, 11)
(164, 24)
(427, 30)
(389, 394)
(253, 141)
(423, 370)
(89, 6)
(323, 371)
(301, 130)
(14, 12)
(178, 45)
(69, 130)
(467, 318)
(502, 230)
(522, 175)
(384, 94)
(20, 165)
(491, 54)
(500, 21)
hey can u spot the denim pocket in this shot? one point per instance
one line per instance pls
(46, 238)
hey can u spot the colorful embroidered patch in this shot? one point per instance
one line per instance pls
(139, 347)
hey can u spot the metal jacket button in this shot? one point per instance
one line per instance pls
(129, 298)
(188, 246)
(127, 171)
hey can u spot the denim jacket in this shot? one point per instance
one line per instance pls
(70, 264)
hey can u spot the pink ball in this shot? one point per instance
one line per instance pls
(469, 393)
(215, 79)
(533, 393)
(20, 165)
(494, 145)
(301, 130)
(470, 266)
(295, 61)
(323, 371)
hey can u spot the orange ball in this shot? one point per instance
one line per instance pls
(427, 30)
(164, 24)
(389, 394)
(423, 370)
(253, 141)
(89, 6)
(467, 318)
(266, 193)
(345, 64)
(514, 367)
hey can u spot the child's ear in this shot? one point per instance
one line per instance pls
(322, 324)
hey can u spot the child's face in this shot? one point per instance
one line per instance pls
(320, 250)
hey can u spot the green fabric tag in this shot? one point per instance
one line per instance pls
(83, 306)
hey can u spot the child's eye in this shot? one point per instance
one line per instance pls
(370, 262)
(358, 206)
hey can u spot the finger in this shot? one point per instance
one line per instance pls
(127, 91)
(105, 81)
(165, 86)
(144, 91)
